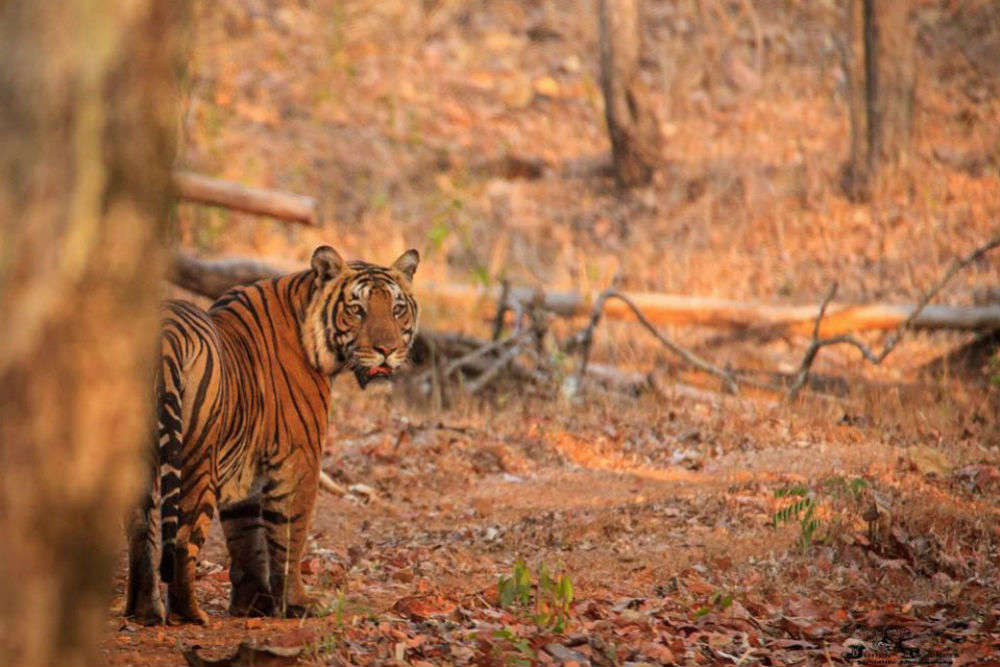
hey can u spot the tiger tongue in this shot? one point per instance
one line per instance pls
(378, 370)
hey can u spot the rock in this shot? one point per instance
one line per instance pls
(565, 656)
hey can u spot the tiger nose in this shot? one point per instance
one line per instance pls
(385, 349)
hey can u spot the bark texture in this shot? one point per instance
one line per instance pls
(87, 128)
(636, 143)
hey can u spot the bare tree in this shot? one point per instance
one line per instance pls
(636, 143)
(881, 81)
(87, 127)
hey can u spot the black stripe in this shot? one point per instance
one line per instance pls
(244, 511)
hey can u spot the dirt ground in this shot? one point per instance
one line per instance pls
(663, 519)
(694, 528)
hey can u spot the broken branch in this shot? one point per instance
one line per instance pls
(689, 357)
(260, 201)
(894, 337)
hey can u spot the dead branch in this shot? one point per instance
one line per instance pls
(491, 372)
(894, 337)
(588, 336)
(803, 373)
(482, 351)
(502, 309)
(213, 278)
(274, 203)
(327, 484)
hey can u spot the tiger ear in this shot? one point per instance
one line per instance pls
(407, 263)
(327, 263)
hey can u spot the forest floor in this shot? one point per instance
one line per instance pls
(667, 522)
(474, 131)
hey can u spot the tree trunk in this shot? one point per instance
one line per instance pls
(636, 143)
(855, 174)
(893, 91)
(881, 80)
(87, 126)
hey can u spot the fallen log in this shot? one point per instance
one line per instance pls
(217, 192)
(213, 277)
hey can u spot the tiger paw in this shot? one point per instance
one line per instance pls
(148, 612)
(302, 607)
(251, 603)
(197, 616)
(185, 611)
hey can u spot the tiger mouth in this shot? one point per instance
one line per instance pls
(366, 374)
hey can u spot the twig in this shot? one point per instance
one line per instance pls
(897, 334)
(482, 351)
(692, 359)
(502, 308)
(327, 484)
(803, 373)
(487, 376)
(437, 395)
(587, 336)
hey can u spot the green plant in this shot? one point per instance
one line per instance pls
(326, 644)
(719, 601)
(838, 486)
(558, 595)
(803, 510)
(338, 607)
(515, 588)
(525, 656)
(552, 595)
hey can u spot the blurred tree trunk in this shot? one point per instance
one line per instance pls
(636, 143)
(87, 129)
(881, 79)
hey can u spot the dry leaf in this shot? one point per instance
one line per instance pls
(246, 655)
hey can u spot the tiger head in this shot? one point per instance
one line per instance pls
(362, 317)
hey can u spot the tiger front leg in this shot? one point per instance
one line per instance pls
(246, 540)
(288, 506)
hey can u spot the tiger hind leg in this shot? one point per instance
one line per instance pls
(143, 593)
(143, 603)
(249, 568)
(195, 518)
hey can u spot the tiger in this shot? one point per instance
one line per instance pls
(242, 398)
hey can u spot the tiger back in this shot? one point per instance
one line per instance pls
(243, 394)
